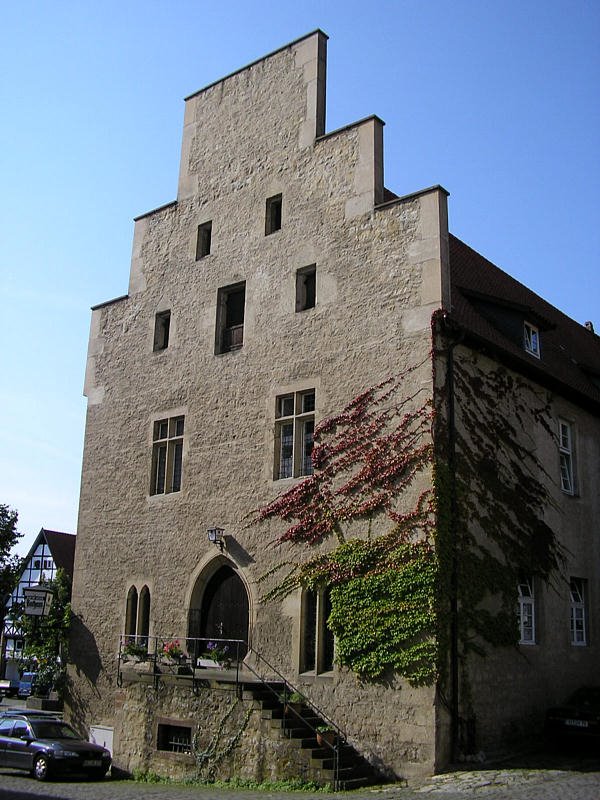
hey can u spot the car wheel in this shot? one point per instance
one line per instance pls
(41, 768)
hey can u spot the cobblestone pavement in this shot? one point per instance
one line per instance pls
(574, 779)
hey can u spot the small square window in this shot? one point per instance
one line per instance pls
(204, 240)
(174, 738)
(531, 339)
(162, 325)
(306, 288)
(273, 214)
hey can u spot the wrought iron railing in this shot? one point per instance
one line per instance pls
(228, 660)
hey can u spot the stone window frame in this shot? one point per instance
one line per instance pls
(162, 327)
(229, 329)
(294, 428)
(306, 288)
(166, 723)
(317, 644)
(204, 240)
(137, 614)
(167, 455)
(273, 214)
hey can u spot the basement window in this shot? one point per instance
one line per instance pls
(174, 738)
(531, 339)
(231, 301)
(162, 325)
(203, 241)
(273, 214)
(306, 288)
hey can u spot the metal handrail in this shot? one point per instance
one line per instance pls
(290, 689)
(155, 648)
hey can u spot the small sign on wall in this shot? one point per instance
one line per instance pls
(38, 600)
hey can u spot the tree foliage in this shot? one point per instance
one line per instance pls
(47, 638)
(9, 536)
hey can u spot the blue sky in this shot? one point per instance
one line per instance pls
(496, 101)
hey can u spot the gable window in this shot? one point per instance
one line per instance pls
(531, 339)
(273, 214)
(526, 612)
(565, 450)
(174, 738)
(316, 655)
(231, 302)
(204, 240)
(578, 593)
(167, 455)
(306, 288)
(294, 434)
(162, 324)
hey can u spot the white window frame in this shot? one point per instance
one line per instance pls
(526, 611)
(565, 450)
(578, 611)
(531, 339)
(294, 428)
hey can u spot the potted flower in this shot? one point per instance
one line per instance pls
(293, 702)
(172, 650)
(134, 651)
(219, 653)
(326, 735)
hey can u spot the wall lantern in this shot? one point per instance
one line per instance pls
(38, 600)
(215, 536)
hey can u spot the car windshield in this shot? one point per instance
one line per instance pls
(53, 729)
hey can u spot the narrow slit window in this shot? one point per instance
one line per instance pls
(565, 450)
(306, 288)
(526, 612)
(204, 240)
(578, 592)
(273, 214)
(162, 327)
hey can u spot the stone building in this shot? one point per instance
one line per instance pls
(283, 280)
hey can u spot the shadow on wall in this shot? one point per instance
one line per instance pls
(84, 660)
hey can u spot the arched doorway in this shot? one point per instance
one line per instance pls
(220, 608)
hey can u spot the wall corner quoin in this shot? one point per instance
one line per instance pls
(137, 279)
(368, 171)
(310, 55)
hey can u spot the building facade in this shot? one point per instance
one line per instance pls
(282, 281)
(51, 550)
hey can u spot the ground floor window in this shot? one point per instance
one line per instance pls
(174, 738)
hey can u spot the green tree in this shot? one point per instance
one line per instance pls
(48, 637)
(9, 536)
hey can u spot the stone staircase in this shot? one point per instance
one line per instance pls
(339, 765)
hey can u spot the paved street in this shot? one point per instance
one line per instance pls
(537, 780)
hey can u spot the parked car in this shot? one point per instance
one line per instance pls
(26, 684)
(48, 747)
(578, 719)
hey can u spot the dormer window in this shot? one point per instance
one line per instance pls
(531, 339)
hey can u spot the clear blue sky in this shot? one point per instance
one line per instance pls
(496, 101)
